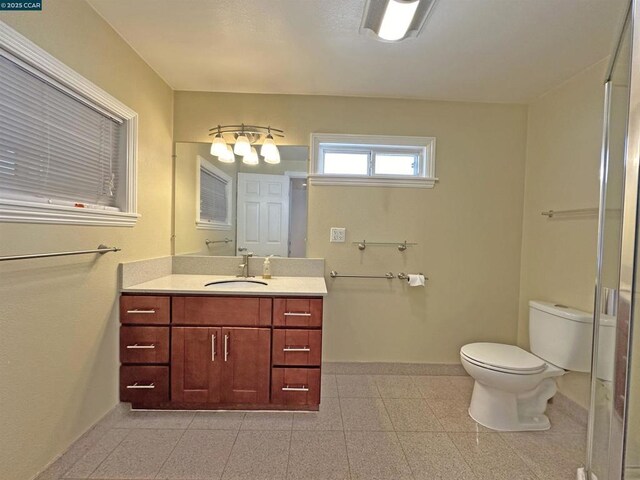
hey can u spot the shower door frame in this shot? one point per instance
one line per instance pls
(617, 434)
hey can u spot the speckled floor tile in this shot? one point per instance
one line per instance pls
(199, 455)
(155, 419)
(329, 417)
(434, 456)
(445, 387)
(357, 386)
(84, 467)
(453, 415)
(258, 456)
(365, 414)
(140, 455)
(376, 456)
(563, 423)
(267, 421)
(411, 415)
(329, 386)
(552, 456)
(217, 420)
(318, 456)
(490, 458)
(396, 386)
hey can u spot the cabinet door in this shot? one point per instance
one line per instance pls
(246, 355)
(196, 364)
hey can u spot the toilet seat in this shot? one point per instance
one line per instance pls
(503, 358)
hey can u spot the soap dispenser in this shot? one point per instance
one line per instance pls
(266, 268)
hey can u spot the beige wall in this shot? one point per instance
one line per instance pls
(58, 323)
(468, 227)
(562, 172)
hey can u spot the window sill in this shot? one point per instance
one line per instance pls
(28, 212)
(366, 181)
(212, 226)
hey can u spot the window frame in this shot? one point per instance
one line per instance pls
(201, 224)
(60, 75)
(423, 147)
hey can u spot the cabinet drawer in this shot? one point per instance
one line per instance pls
(297, 312)
(222, 311)
(297, 347)
(149, 310)
(295, 386)
(144, 344)
(144, 385)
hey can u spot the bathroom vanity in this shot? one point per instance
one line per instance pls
(184, 345)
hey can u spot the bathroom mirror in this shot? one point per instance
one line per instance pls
(230, 208)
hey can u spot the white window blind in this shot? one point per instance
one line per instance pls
(213, 197)
(55, 147)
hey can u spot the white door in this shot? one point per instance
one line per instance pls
(263, 214)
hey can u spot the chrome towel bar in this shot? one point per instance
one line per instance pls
(387, 275)
(101, 249)
(212, 242)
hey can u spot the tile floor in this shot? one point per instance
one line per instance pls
(370, 427)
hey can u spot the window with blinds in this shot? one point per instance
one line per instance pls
(214, 194)
(67, 147)
(54, 148)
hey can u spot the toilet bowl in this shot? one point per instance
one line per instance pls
(512, 386)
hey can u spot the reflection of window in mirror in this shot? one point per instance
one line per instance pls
(214, 193)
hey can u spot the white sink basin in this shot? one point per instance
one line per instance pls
(236, 284)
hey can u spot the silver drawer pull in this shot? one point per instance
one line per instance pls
(141, 311)
(141, 387)
(140, 347)
(213, 348)
(287, 388)
(296, 314)
(296, 349)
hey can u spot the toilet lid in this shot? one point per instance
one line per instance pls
(505, 357)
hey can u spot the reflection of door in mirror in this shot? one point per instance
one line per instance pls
(263, 214)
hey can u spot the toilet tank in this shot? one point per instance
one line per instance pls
(561, 335)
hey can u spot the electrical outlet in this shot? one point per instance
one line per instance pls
(338, 235)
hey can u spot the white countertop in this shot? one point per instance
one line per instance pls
(195, 284)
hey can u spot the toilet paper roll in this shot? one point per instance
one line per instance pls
(416, 280)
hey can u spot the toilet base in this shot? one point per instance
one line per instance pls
(511, 412)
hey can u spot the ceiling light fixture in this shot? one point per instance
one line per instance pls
(395, 20)
(244, 136)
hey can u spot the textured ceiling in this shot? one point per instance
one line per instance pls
(478, 50)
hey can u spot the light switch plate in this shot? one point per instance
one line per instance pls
(338, 235)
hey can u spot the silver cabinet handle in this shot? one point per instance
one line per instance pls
(141, 311)
(213, 348)
(287, 388)
(151, 386)
(226, 347)
(296, 349)
(140, 347)
(296, 314)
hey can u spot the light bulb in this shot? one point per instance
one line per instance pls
(218, 146)
(251, 158)
(242, 146)
(228, 155)
(397, 19)
(268, 148)
(273, 157)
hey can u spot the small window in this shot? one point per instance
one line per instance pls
(214, 197)
(373, 160)
(67, 149)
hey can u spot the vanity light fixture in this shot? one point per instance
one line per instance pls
(244, 136)
(395, 20)
(251, 158)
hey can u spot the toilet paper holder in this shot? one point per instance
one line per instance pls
(405, 276)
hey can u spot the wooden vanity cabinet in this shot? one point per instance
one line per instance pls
(227, 352)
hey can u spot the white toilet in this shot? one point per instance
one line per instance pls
(512, 386)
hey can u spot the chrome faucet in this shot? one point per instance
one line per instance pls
(245, 265)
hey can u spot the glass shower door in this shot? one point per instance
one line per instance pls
(610, 309)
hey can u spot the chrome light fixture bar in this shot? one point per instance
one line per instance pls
(244, 136)
(395, 20)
